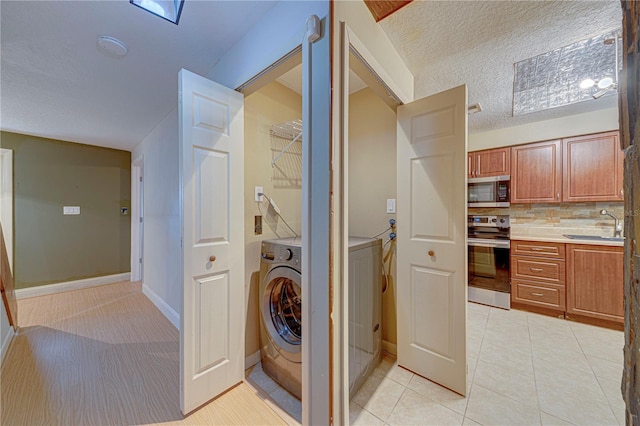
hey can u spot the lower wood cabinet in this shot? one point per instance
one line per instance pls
(595, 282)
(579, 281)
(538, 274)
(544, 295)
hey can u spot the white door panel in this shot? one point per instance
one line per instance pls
(432, 252)
(211, 160)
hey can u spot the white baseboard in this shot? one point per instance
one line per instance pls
(43, 290)
(389, 347)
(6, 343)
(167, 311)
(252, 359)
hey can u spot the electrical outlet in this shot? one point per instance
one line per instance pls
(257, 225)
(71, 210)
(391, 205)
(257, 191)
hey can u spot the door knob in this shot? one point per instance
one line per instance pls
(432, 253)
(212, 258)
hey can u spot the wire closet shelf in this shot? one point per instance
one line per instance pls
(290, 130)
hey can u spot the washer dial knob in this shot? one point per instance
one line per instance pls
(288, 254)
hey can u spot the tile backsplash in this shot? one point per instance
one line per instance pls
(565, 215)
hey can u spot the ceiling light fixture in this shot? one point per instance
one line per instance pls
(169, 10)
(603, 91)
(566, 75)
(587, 83)
(605, 83)
(111, 46)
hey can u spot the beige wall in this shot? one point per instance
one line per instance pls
(49, 174)
(372, 179)
(270, 105)
(572, 125)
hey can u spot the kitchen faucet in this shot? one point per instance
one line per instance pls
(618, 228)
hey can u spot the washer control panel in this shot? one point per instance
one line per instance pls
(281, 253)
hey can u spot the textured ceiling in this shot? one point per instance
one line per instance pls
(55, 83)
(448, 43)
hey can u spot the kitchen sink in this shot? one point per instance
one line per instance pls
(593, 237)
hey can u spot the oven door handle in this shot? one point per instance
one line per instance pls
(489, 243)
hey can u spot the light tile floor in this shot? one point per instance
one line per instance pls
(524, 369)
(279, 395)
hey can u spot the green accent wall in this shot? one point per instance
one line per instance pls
(49, 174)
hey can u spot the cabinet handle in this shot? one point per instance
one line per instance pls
(557, 195)
(537, 294)
(537, 249)
(431, 253)
(212, 258)
(622, 193)
(535, 269)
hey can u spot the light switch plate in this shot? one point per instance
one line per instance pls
(391, 205)
(71, 210)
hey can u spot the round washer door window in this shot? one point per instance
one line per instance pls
(282, 308)
(285, 308)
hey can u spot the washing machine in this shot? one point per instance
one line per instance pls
(281, 312)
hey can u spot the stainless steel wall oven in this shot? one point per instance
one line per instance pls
(489, 260)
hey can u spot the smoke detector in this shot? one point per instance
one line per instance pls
(111, 46)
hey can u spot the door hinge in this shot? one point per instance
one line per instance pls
(140, 260)
(141, 220)
(140, 178)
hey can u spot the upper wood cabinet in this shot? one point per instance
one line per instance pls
(592, 168)
(490, 162)
(536, 172)
(582, 168)
(595, 282)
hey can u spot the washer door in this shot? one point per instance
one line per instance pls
(282, 310)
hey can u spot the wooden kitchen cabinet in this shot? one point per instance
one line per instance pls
(490, 162)
(577, 169)
(538, 249)
(538, 275)
(595, 284)
(536, 172)
(592, 168)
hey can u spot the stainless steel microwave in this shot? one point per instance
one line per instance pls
(491, 191)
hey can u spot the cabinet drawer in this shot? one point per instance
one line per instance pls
(550, 296)
(545, 270)
(536, 248)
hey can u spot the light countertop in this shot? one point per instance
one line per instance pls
(555, 235)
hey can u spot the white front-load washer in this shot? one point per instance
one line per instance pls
(281, 312)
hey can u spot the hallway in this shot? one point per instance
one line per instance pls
(105, 355)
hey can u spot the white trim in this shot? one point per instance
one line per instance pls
(316, 229)
(340, 240)
(137, 212)
(6, 200)
(390, 348)
(252, 360)
(167, 311)
(375, 67)
(43, 290)
(5, 344)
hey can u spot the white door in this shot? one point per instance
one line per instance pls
(432, 231)
(212, 184)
